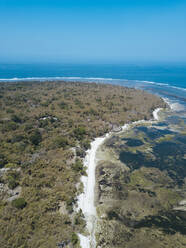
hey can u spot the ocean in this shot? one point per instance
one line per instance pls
(174, 74)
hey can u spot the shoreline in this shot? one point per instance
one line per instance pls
(174, 106)
(86, 199)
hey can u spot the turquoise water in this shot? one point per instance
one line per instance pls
(173, 74)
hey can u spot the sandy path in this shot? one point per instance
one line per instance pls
(86, 199)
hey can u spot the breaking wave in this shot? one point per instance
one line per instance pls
(97, 79)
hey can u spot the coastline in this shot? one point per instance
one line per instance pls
(174, 106)
(86, 199)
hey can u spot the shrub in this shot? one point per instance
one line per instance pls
(79, 132)
(12, 183)
(63, 105)
(79, 167)
(43, 123)
(45, 104)
(17, 138)
(20, 147)
(16, 119)
(10, 126)
(12, 179)
(74, 239)
(11, 165)
(28, 127)
(93, 112)
(3, 160)
(86, 144)
(61, 142)
(10, 111)
(112, 215)
(80, 152)
(70, 123)
(79, 103)
(36, 138)
(19, 203)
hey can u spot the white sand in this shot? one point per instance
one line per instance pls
(86, 199)
(155, 114)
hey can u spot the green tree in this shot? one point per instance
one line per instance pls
(19, 203)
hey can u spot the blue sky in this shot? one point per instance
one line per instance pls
(92, 31)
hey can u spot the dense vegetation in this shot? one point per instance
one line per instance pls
(45, 129)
